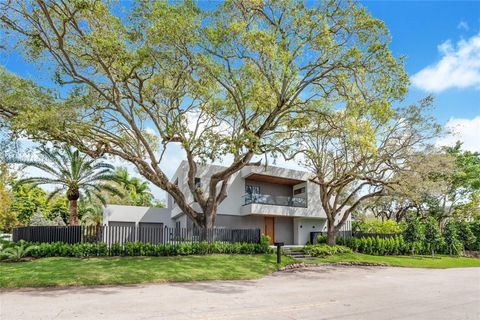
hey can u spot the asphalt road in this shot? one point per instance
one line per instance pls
(313, 293)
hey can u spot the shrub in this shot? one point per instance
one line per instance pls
(377, 246)
(475, 228)
(433, 236)
(80, 250)
(322, 239)
(414, 233)
(18, 252)
(450, 232)
(322, 250)
(377, 226)
(466, 235)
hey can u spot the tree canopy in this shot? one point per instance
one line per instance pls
(354, 157)
(216, 83)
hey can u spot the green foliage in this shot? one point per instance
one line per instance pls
(135, 191)
(450, 233)
(16, 253)
(466, 235)
(414, 233)
(8, 219)
(252, 66)
(321, 239)
(322, 250)
(377, 246)
(378, 226)
(475, 228)
(433, 235)
(80, 250)
(58, 208)
(27, 200)
(73, 172)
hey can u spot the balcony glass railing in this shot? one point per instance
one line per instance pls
(275, 200)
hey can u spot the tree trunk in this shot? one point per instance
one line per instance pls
(331, 235)
(73, 213)
(210, 218)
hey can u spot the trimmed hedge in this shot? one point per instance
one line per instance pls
(322, 250)
(391, 246)
(80, 250)
(377, 246)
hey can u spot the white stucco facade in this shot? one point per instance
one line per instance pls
(283, 203)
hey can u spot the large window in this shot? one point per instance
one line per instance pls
(299, 191)
(249, 189)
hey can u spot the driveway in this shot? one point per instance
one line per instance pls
(314, 293)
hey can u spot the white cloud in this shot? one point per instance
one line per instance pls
(459, 67)
(464, 130)
(463, 25)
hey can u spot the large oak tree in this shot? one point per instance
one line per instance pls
(354, 157)
(217, 83)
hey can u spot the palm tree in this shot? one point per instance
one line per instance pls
(92, 215)
(74, 173)
(138, 190)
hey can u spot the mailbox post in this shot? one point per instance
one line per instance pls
(279, 251)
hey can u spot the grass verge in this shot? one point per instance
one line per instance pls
(440, 262)
(129, 270)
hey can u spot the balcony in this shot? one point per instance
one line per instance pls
(275, 200)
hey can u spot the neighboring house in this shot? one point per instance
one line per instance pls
(283, 203)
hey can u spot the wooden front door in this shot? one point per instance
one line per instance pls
(270, 228)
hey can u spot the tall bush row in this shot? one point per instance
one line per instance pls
(80, 250)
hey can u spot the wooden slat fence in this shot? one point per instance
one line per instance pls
(123, 234)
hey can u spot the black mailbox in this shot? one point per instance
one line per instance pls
(279, 253)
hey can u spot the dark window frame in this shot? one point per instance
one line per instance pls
(252, 189)
(299, 191)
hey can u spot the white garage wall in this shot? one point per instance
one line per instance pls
(120, 213)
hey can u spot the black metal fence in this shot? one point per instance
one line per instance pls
(342, 234)
(122, 234)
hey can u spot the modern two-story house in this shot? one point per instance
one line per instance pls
(283, 203)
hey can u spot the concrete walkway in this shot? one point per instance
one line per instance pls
(314, 293)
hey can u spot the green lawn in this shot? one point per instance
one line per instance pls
(128, 270)
(402, 261)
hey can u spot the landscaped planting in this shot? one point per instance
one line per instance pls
(420, 238)
(322, 250)
(80, 250)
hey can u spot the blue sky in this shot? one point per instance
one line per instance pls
(441, 40)
(418, 28)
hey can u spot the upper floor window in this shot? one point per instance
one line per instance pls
(198, 183)
(176, 183)
(299, 191)
(249, 189)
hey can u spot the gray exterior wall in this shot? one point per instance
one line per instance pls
(284, 230)
(232, 221)
(234, 203)
(292, 224)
